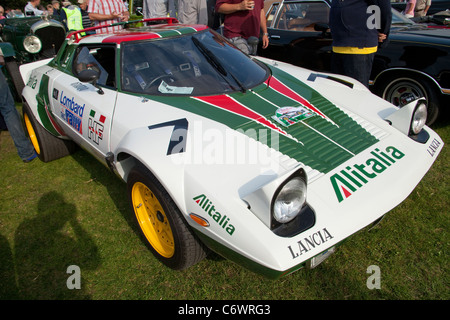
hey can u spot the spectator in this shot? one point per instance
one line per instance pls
(356, 37)
(49, 9)
(56, 10)
(12, 119)
(192, 12)
(155, 8)
(243, 19)
(87, 23)
(71, 17)
(2, 12)
(31, 9)
(409, 9)
(421, 8)
(105, 12)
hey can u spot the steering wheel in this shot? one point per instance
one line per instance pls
(156, 79)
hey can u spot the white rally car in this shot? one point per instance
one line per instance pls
(269, 165)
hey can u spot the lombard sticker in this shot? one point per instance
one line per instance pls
(288, 116)
(72, 111)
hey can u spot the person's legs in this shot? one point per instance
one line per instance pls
(13, 122)
(357, 66)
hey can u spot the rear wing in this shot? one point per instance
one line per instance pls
(78, 34)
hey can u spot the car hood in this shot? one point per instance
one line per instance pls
(307, 127)
(422, 34)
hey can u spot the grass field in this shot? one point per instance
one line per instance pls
(73, 211)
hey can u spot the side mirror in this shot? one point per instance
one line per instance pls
(90, 76)
(322, 27)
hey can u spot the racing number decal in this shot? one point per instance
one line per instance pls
(177, 143)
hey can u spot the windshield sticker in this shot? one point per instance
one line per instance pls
(165, 88)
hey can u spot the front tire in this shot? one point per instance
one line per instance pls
(160, 222)
(395, 88)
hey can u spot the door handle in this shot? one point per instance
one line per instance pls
(274, 36)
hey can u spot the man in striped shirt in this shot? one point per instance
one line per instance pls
(105, 12)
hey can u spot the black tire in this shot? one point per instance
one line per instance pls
(13, 69)
(394, 87)
(47, 146)
(161, 223)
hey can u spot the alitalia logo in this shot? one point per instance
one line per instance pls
(211, 210)
(352, 178)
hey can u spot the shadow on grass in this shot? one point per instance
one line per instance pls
(44, 247)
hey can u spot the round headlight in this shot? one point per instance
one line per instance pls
(290, 200)
(419, 118)
(32, 44)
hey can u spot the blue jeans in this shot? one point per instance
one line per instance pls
(13, 122)
(357, 66)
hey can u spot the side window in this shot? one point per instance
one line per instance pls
(302, 16)
(271, 14)
(99, 58)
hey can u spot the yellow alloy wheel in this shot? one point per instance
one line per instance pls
(152, 220)
(31, 133)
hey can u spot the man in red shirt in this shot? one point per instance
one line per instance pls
(243, 19)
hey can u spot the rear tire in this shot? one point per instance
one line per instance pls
(47, 146)
(161, 223)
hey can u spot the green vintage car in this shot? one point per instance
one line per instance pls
(28, 39)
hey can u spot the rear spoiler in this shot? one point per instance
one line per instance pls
(78, 34)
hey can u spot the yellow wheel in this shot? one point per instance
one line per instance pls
(31, 133)
(161, 223)
(152, 220)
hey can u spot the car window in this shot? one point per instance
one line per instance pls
(271, 14)
(302, 16)
(98, 58)
(200, 64)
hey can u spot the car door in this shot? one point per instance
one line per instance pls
(84, 109)
(293, 35)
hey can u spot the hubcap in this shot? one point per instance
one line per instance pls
(31, 133)
(152, 220)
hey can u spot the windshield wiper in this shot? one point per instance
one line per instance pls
(215, 62)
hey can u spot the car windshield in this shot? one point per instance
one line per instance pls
(199, 64)
(398, 18)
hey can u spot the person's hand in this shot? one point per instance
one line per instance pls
(2, 61)
(381, 37)
(247, 5)
(265, 40)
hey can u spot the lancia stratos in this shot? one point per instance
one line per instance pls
(267, 164)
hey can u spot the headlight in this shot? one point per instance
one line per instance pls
(32, 44)
(419, 117)
(289, 200)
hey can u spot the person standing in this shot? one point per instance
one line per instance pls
(357, 29)
(31, 9)
(243, 19)
(71, 17)
(105, 12)
(12, 119)
(87, 23)
(192, 12)
(421, 8)
(155, 8)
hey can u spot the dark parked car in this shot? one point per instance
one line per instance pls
(416, 59)
(436, 6)
(28, 39)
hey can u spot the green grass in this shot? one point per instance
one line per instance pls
(73, 211)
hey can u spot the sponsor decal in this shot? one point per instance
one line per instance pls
(290, 115)
(71, 112)
(311, 242)
(96, 123)
(354, 177)
(433, 147)
(210, 209)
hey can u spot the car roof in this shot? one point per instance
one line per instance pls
(156, 31)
